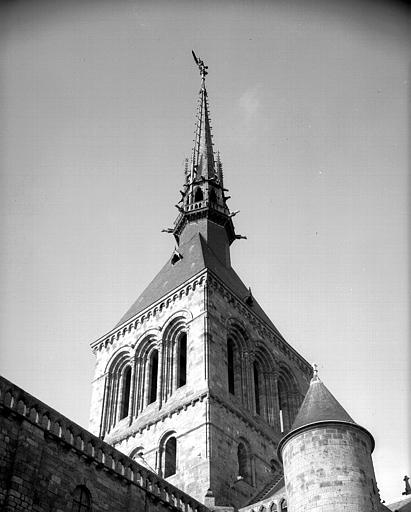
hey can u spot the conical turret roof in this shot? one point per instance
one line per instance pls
(320, 405)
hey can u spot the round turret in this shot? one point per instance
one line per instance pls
(327, 458)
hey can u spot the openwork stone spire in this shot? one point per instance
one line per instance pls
(203, 196)
(203, 155)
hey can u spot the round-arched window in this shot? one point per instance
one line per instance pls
(81, 499)
(170, 457)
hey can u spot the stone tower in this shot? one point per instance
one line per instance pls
(327, 458)
(195, 381)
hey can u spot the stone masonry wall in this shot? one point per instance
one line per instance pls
(186, 302)
(225, 311)
(330, 468)
(227, 430)
(182, 412)
(206, 419)
(188, 423)
(45, 456)
(233, 417)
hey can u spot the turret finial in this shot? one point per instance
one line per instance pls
(407, 486)
(315, 378)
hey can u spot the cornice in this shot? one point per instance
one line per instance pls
(206, 275)
(151, 311)
(142, 424)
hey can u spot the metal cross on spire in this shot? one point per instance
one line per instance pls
(201, 66)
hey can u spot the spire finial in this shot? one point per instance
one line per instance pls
(203, 165)
(201, 66)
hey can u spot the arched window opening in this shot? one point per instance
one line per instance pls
(243, 462)
(81, 499)
(198, 196)
(273, 507)
(230, 366)
(282, 406)
(283, 506)
(213, 196)
(117, 391)
(125, 392)
(170, 457)
(152, 397)
(182, 360)
(256, 388)
(287, 399)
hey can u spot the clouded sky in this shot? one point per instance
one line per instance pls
(309, 111)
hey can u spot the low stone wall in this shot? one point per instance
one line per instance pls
(44, 457)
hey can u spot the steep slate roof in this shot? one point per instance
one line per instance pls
(196, 256)
(170, 277)
(269, 489)
(320, 405)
